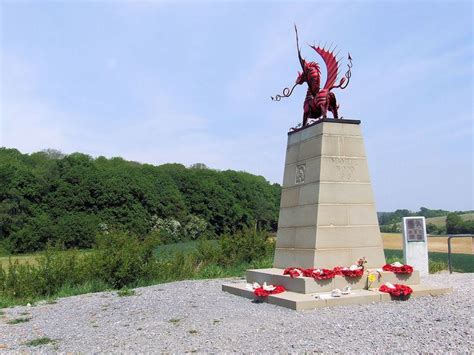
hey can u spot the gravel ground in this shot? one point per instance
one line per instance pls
(192, 316)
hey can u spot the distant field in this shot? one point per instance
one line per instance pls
(22, 259)
(435, 244)
(441, 221)
(25, 258)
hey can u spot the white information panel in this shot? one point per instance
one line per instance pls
(415, 244)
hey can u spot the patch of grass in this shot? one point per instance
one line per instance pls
(39, 341)
(65, 291)
(87, 287)
(438, 261)
(175, 321)
(125, 292)
(168, 250)
(216, 321)
(193, 332)
(437, 266)
(19, 320)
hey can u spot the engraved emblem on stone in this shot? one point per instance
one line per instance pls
(300, 172)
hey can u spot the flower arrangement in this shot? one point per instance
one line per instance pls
(318, 274)
(293, 272)
(400, 291)
(354, 271)
(398, 268)
(265, 290)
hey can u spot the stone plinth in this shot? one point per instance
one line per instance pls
(298, 301)
(327, 211)
(327, 218)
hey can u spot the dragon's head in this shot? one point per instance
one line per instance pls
(310, 69)
(301, 78)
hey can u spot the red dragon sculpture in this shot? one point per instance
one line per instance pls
(318, 101)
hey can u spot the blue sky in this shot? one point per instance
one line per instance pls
(191, 82)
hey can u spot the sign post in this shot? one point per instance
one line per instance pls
(415, 244)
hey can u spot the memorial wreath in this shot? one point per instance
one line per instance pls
(396, 290)
(265, 290)
(398, 268)
(317, 274)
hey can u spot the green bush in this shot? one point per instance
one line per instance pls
(117, 260)
(456, 225)
(120, 259)
(54, 268)
(211, 271)
(208, 251)
(244, 246)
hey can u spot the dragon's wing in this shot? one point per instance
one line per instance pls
(331, 65)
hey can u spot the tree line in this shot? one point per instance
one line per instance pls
(396, 216)
(67, 199)
(390, 222)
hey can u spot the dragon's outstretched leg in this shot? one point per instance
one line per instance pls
(333, 105)
(305, 117)
(324, 111)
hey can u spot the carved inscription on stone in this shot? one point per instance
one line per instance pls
(344, 168)
(300, 173)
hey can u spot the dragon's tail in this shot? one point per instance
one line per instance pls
(347, 77)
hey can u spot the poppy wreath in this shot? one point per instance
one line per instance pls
(319, 274)
(400, 291)
(404, 269)
(344, 271)
(293, 272)
(261, 292)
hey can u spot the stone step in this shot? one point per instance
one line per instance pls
(274, 276)
(298, 301)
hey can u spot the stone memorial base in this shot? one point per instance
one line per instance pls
(327, 219)
(307, 293)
